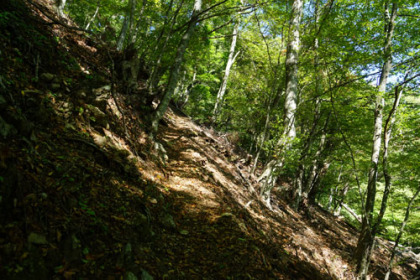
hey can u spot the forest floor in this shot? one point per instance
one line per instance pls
(85, 196)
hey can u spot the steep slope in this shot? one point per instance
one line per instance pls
(84, 194)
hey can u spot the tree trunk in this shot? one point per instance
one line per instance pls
(407, 215)
(60, 7)
(351, 211)
(138, 25)
(93, 17)
(272, 103)
(154, 78)
(127, 25)
(387, 137)
(367, 236)
(185, 94)
(344, 191)
(231, 60)
(174, 76)
(269, 176)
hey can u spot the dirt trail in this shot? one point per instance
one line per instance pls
(213, 193)
(85, 198)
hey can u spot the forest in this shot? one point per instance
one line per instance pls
(226, 139)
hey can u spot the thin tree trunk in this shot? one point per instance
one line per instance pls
(302, 188)
(269, 176)
(400, 233)
(138, 25)
(272, 102)
(174, 76)
(93, 17)
(231, 60)
(185, 95)
(154, 79)
(351, 211)
(123, 34)
(344, 191)
(60, 7)
(321, 171)
(366, 238)
(387, 137)
(334, 191)
(127, 25)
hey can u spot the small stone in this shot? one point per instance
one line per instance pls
(97, 113)
(38, 239)
(48, 77)
(101, 90)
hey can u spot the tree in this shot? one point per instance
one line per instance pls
(269, 176)
(174, 75)
(127, 25)
(231, 60)
(367, 235)
(400, 233)
(60, 7)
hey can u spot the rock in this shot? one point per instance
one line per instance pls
(97, 114)
(100, 140)
(145, 275)
(101, 96)
(39, 239)
(48, 77)
(101, 90)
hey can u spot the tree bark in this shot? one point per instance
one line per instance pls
(407, 215)
(60, 7)
(351, 211)
(367, 236)
(387, 137)
(138, 25)
(93, 17)
(269, 176)
(231, 60)
(174, 76)
(127, 25)
(344, 191)
(154, 78)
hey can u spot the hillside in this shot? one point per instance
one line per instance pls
(86, 194)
